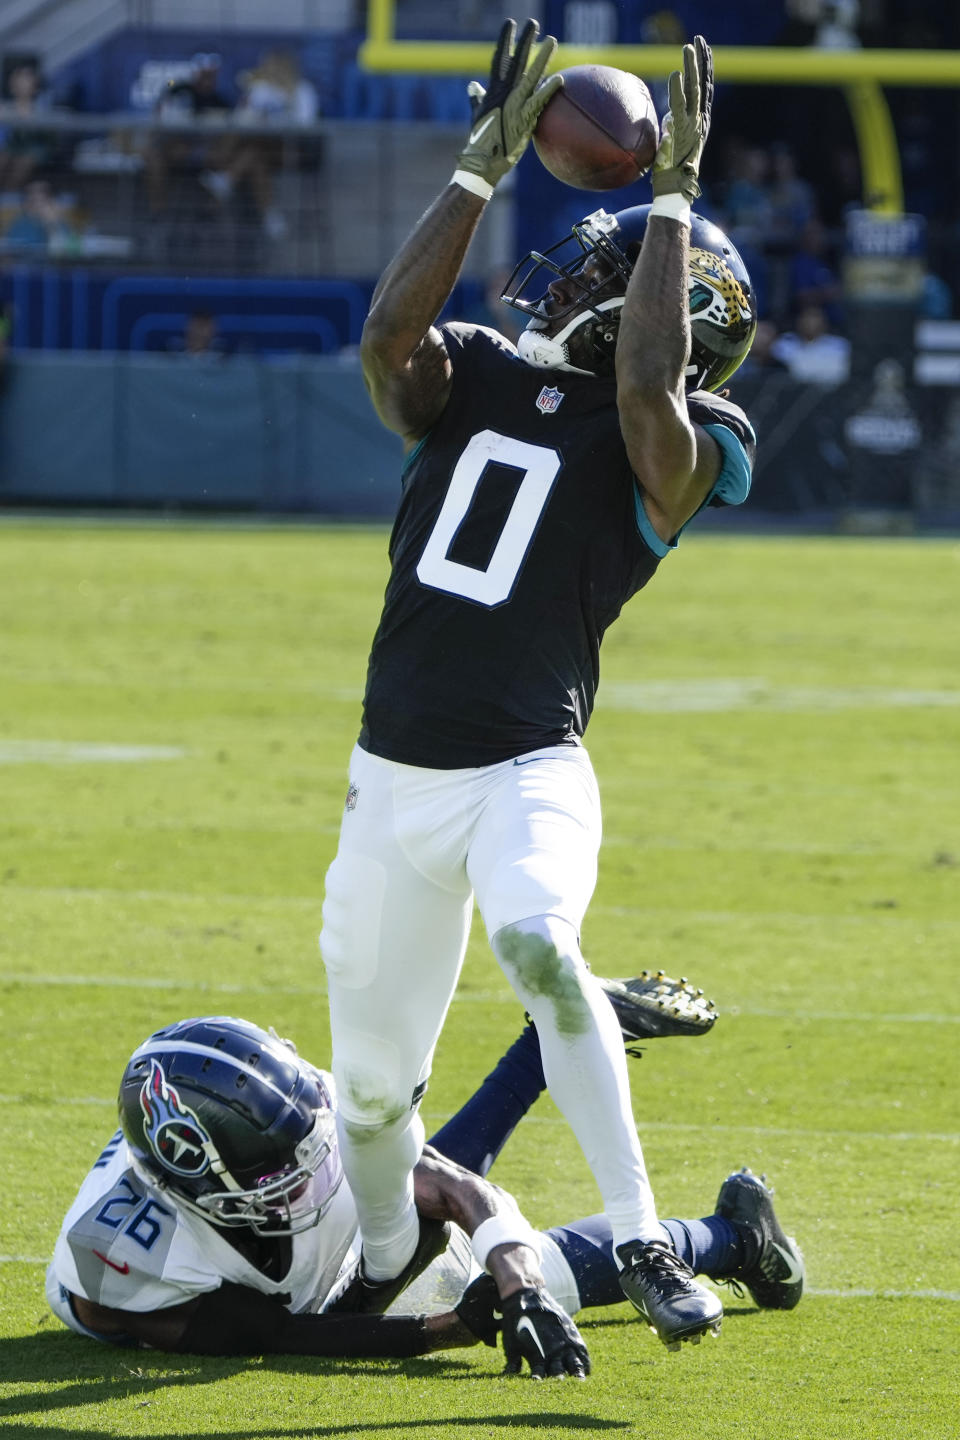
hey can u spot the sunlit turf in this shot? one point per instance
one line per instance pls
(776, 745)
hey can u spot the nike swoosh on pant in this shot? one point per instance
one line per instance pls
(532, 761)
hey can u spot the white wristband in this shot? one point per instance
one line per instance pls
(474, 183)
(672, 207)
(507, 1228)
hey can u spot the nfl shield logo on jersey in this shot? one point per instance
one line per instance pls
(549, 400)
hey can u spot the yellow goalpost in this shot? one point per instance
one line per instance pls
(861, 74)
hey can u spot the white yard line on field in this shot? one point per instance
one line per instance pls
(68, 752)
(118, 894)
(435, 1119)
(719, 694)
(856, 1293)
(753, 693)
(467, 997)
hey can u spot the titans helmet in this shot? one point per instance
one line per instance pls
(723, 316)
(227, 1119)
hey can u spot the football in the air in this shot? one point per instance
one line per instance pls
(600, 130)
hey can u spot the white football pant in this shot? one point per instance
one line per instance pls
(416, 845)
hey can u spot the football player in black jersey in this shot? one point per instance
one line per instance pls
(543, 485)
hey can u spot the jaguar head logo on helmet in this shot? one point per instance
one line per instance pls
(573, 292)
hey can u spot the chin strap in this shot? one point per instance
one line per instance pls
(552, 352)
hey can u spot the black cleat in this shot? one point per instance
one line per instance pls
(665, 1292)
(772, 1269)
(372, 1297)
(651, 1005)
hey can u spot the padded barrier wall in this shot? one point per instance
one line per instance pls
(293, 434)
(298, 435)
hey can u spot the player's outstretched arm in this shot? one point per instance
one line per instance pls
(675, 462)
(238, 1320)
(515, 1303)
(405, 362)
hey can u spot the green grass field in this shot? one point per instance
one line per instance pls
(777, 747)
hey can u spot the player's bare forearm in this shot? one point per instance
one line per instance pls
(444, 1190)
(653, 347)
(405, 363)
(674, 463)
(447, 1332)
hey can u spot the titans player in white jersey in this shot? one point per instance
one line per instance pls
(543, 486)
(217, 1219)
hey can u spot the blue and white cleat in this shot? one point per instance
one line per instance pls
(665, 1291)
(772, 1269)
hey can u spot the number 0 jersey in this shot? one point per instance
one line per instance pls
(519, 537)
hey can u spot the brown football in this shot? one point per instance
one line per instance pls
(600, 130)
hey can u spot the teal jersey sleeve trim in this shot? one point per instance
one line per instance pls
(648, 535)
(732, 486)
(733, 483)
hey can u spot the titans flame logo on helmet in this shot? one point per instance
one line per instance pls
(172, 1130)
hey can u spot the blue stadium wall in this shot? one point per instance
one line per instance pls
(298, 435)
(290, 435)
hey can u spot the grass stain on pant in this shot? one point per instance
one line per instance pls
(541, 970)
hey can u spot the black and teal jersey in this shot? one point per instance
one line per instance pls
(519, 537)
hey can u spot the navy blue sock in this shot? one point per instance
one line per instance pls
(710, 1246)
(478, 1132)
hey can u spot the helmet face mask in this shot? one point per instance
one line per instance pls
(722, 310)
(596, 287)
(286, 1202)
(232, 1125)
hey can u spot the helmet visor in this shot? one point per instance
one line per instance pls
(288, 1200)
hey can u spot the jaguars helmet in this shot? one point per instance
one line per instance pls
(233, 1124)
(723, 317)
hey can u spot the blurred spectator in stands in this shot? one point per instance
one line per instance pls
(744, 211)
(186, 102)
(811, 353)
(201, 338)
(830, 24)
(813, 281)
(746, 205)
(761, 359)
(275, 93)
(840, 185)
(837, 25)
(663, 27)
(936, 302)
(41, 225)
(791, 200)
(791, 207)
(23, 150)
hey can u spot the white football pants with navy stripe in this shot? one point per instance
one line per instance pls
(416, 845)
